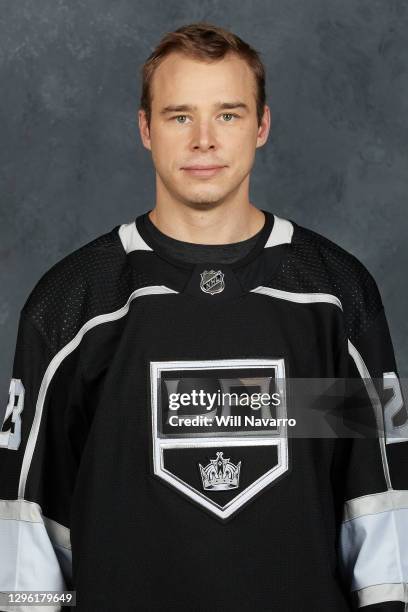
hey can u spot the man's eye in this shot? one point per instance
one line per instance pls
(181, 118)
(229, 115)
(178, 117)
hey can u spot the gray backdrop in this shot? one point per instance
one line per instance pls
(72, 165)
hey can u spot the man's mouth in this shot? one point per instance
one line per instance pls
(203, 171)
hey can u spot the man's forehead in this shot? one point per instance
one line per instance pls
(180, 80)
(183, 68)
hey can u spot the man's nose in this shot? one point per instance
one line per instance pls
(203, 135)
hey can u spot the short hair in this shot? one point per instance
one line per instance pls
(203, 41)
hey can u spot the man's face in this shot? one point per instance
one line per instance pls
(189, 128)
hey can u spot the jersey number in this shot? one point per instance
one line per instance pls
(10, 433)
(395, 411)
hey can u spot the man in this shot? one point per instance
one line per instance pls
(133, 469)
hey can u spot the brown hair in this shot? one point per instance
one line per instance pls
(206, 42)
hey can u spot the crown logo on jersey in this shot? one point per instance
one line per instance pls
(220, 474)
(212, 281)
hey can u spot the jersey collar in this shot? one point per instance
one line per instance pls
(135, 237)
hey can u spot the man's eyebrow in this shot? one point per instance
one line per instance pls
(178, 108)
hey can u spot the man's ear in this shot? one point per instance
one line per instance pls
(144, 129)
(263, 130)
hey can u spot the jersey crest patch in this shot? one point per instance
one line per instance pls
(219, 431)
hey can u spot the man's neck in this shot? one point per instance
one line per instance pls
(219, 225)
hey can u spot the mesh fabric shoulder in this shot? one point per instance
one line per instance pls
(93, 280)
(315, 264)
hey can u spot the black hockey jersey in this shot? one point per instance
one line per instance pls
(146, 459)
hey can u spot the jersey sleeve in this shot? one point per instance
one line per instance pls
(373, 482)
(38, 463)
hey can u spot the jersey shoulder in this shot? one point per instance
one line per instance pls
(92, 280)
(316, 264)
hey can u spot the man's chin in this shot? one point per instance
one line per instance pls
(203, 198)
(203, 203)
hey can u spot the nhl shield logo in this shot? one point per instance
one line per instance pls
(212, 281)
(218, 428)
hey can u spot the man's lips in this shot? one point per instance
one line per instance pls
(204, 171)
